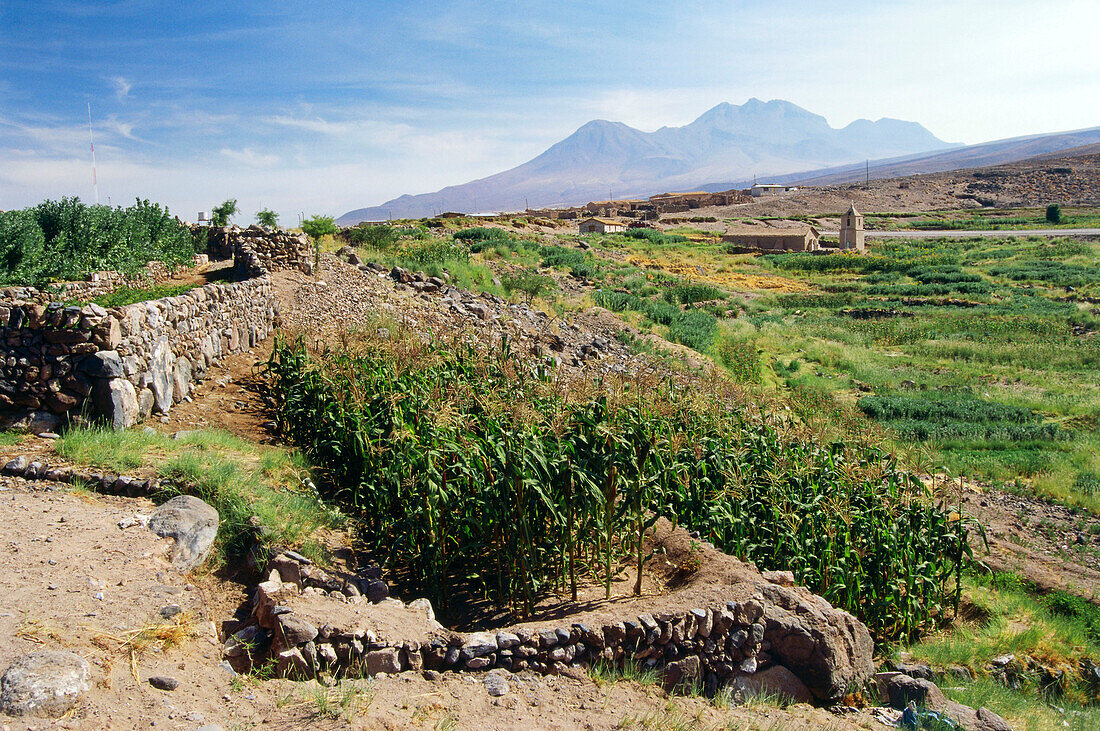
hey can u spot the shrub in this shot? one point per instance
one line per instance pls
(1054, 213)
(373, 236)
(268, 218)
(529, 282)
(579, 263)
(482, 233)
(221, 214)
(654, 236)
(686, 294)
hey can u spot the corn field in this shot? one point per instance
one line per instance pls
(468, 469)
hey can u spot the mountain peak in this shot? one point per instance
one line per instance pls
(727, 142)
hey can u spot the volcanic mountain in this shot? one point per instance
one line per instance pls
(728, 142)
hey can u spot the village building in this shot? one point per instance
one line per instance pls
(759, 190)
(851, 231)
(601, 226)
(782, 239)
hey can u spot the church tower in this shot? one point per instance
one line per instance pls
(851, 230)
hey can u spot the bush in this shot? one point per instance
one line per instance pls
(1054, 213)
(380, 237)
(482, 233)
(66, 239)
(579, 263)
(654, 236)
(529, 282)
(686, 294)
(318, 226)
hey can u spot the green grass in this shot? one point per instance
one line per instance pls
(603, 673)
(129, 295)
(1059, 630)
(239, 479)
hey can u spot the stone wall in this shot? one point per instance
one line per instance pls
(255, 248)
(99, 283)
(776, 636)
(127, 362)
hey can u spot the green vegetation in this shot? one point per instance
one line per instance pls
(529, 282)
(1054, 213)
(238, 478)
(318, 226)
(473, 470)
(224, 211)
(380, 237)
(1060, 631)
(693, 328)
(66, 239)
(129, 295)
(267, 217)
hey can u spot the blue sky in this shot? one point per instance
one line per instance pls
(327, 106)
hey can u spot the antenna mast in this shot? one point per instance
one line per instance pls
(91, 143)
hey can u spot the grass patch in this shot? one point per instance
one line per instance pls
(129, 295)
(239, 479)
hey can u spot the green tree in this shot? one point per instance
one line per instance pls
(318, 226)
(1054, 213)
(221, 214)
(267, 218)
(529, 282)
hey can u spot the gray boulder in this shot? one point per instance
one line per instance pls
(116, 400)
(46, 683)
(194, 526)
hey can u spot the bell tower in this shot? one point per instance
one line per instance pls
(851, 230)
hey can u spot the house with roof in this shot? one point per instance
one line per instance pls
(804, 238)
(601, 226)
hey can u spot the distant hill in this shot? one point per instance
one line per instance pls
(728, 142)
(1015, 149)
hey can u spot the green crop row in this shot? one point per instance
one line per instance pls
(469, 470)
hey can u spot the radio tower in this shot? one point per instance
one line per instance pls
(91, 143)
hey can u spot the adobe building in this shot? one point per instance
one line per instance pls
(601, 226)
(783, 239)
(851, 231)
(759, 190)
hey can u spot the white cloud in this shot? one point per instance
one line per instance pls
(122, 86)
(251, 158)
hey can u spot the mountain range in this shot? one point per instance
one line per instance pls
(610, 158)
(776, 141)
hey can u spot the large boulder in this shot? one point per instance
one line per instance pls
(194, 526)
(116, 400)
(46, 683)
(775, 681)
(827, 648)
(902, 689)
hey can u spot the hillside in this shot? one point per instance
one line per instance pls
(726, 142)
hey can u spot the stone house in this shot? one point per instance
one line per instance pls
(601, 226)
(791, 239)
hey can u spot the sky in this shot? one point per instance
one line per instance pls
(322, 107)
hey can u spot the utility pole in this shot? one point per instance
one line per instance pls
(866, 172)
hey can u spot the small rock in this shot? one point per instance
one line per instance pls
(164, 682)
(496, 685)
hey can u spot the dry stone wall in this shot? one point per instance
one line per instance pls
(778, 636)
(125, 363)
(99, 283)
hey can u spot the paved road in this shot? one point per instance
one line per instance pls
(974, 234)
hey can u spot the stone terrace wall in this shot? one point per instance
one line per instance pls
(99, 283)
(128, 362)
(777, 636)
(255, 248)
